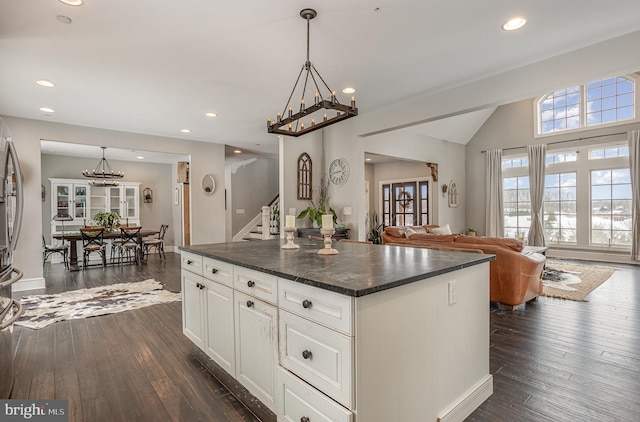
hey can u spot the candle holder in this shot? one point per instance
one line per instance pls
(290, 244)
(327, 250)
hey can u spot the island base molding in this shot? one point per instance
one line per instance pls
(469, 401)
(236, 389)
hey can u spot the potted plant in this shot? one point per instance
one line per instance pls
(375, 229)
(108, 220)
(471, 232)
(314, 212)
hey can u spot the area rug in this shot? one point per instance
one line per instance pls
(43, 310)
(573, 281)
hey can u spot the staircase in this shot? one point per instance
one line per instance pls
(265, 225)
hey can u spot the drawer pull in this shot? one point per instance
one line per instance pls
(306, 304)
(306, 354)
(189, 261)
(214, 270)
(251, 283)
(305, 419)
(249, 304)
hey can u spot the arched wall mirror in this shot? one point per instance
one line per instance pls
(208, 184)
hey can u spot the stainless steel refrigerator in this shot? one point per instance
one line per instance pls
(11, 202)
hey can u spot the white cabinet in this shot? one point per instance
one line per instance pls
(256, 342)
(69, 198)
(122, 200)
(192, 308)
(207, 311)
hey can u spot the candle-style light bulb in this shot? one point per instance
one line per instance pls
(290, 111)
(290, 127)
(302, 104)
(302, 126)
(313, 122)
(268, 121)
(317, 98)
(325, 117)
(279, 117)
(353, 102)
(333, 96)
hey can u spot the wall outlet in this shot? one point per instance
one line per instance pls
(452, 293)
(346, 210)
(239, 211)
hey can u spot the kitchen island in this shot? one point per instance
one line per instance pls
(374, 333)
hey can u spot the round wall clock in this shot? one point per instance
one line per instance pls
(339, 171)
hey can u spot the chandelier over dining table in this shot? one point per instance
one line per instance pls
(103, 174)
(315, 113)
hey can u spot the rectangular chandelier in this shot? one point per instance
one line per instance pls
(325, 110)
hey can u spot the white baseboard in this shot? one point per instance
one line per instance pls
(619, 258)
(469, 401)
(29, 284)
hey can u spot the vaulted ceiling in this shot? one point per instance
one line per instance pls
(157, 67)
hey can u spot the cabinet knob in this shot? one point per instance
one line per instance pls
(251, 283)
(306, 304)
(249, 304)
(189, 262)
(214, 270)
(306, 354)
(305, 419)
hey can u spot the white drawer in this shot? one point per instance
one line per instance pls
(322, 306)
(297, 401)
(319, 355)
(191, 262)
(219, 271)
(254, 283)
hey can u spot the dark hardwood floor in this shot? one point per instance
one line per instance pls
(555, 360)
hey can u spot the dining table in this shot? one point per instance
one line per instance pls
(74, 237)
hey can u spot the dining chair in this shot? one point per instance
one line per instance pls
(93, 242)
(48, 250)
(130, 243)
(155, 242)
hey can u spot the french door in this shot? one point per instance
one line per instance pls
(406, 203)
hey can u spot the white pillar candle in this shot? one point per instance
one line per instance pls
(290, 221)
(327, 221)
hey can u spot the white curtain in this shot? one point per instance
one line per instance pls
(634, 164)
(494, 210)
(537, 157)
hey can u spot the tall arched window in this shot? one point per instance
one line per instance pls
(305, 175)
(606, 101)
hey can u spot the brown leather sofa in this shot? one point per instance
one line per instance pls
(515, 278)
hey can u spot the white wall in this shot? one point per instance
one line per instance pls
(254, 183)
(449, 156)
(207, 212)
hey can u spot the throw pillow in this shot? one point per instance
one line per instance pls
(441, 230)
(414, 230)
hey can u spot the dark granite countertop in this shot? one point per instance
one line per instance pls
(359, 269)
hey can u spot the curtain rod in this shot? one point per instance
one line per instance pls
(567, 140)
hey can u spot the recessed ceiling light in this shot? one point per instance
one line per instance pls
(64, 19)
(47, 110)
(46, 83)
(514, 23)
(73, 2)
(185, 130)
(140, 157)
(349, 90)
(210, 114)
(367, 159)
(237, 151)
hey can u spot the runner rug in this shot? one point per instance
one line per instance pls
(43, 310)
(573, 281)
